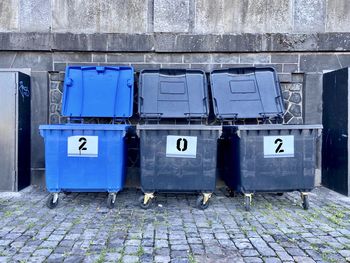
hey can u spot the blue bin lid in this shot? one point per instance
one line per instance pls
(242, 93)
(94, 91)
(173, 93)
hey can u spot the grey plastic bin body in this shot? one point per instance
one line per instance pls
(192, 173)
(174, 157)
(270, 158)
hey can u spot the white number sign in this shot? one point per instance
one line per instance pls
(83, 146)
(278, 146)
(181, 146)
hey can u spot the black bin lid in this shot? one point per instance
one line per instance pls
(243, 93)
(173, 93)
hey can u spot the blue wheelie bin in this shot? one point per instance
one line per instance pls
(266, 156)
(89, 157)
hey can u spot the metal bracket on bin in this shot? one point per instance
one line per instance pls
(206, 197)
(194, 116)
(151, 117)
(147, 197)
(120, 121)
(55, 197)
(302, 194)
(250, 196)
(229, 119)
(268, 116)
(75, 120)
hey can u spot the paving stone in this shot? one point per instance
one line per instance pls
(218, 234)
(303, 259)
(295, 252)
(113, 256)
(160, 243)
(252, 260)
(55, 258)
(179, 247)
(130, 259)
(42, 252)
(161, 259)
(249, 253)
(36, 259)
(272, 260)
(284, 256)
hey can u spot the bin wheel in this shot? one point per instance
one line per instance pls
(280, 194)
(52, 201)
(247, 202)
(306, 204)
(144, 205)
(200, 204)
(111, 200)
(230, 193)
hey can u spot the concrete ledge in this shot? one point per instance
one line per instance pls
(168, 42)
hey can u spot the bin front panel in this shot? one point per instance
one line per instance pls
(102, 169)
(98, 92)
(251, 170)
(163, 173)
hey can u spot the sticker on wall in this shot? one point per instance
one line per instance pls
(24, 90)
(83, 146)
(181, 146)
(278, 146)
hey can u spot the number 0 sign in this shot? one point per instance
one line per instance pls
(278, 146)
(83, 146)
(181, 146)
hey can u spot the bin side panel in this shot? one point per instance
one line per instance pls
(177, 174)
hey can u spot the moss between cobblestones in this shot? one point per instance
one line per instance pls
(102, 257)
(191, 258)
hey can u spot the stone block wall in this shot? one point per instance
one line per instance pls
(186, 16)
(299, 76)
(299, 38)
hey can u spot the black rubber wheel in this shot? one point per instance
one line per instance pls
(50, 204)
(280, 194)
(306, 204)
(230, 193)
(199, 203)
(247, 203)
(110, 201)
(143, 205)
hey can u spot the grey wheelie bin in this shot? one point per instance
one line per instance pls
(178, 151)
(265, 157)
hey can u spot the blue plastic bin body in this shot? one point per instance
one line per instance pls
(101, 172)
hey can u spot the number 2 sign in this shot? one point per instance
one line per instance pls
(82, 146)
(278, 146)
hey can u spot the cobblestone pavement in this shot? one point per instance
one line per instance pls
(82, 229)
